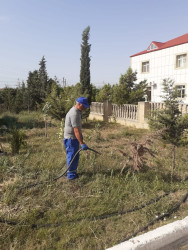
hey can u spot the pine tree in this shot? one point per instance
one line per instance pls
(86, 88)
(170, 121)
(43, 78)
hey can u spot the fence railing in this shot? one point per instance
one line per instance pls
(128, 114)
(183, 108)
(154, 106)
(126, 111)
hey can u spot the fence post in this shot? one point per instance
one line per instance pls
(107, 110)
(143, 111)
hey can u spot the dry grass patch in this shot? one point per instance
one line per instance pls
(90, 212)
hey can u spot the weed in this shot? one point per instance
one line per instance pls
(97, 132)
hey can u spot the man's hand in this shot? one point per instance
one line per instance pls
(84, 146)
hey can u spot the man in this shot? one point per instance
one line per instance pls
(73, 135)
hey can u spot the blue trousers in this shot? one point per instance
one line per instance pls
(71, 146)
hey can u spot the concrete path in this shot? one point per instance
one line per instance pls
(169, 237)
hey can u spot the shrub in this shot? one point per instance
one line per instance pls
(17, 140)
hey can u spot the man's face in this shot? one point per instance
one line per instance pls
(81, 107)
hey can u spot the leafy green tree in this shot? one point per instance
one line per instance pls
(21, 98)
(34, 90)
(94, 92)
(127, 91)
(62, 99)
(137, 93)
(85, 65)
(71, 93)
(18, 103)
(169, 120)
(49, 86)
(57, 103)
(105, 93)
(7, 99)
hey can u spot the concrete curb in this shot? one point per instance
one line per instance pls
(159, 238)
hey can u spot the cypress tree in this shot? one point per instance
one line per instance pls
(86, 88)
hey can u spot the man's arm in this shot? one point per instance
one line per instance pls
(78, 135)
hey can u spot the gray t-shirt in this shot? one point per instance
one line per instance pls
(73, 119)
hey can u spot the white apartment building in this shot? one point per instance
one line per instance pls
(161, 61)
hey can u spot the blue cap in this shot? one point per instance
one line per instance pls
(83, 101)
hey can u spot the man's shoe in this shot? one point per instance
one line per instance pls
(72, 176)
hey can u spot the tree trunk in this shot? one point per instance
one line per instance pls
(173, 157)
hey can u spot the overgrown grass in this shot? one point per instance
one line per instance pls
(70, 214)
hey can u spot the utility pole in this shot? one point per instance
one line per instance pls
(64, 82)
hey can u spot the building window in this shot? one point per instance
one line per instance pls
(181, 91)
(181, 61)
(145, 67)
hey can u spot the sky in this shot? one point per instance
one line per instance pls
(31, 29)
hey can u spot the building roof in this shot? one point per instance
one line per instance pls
(174, 42)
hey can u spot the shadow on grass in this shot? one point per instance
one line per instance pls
(11, 122)
(8, 121)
